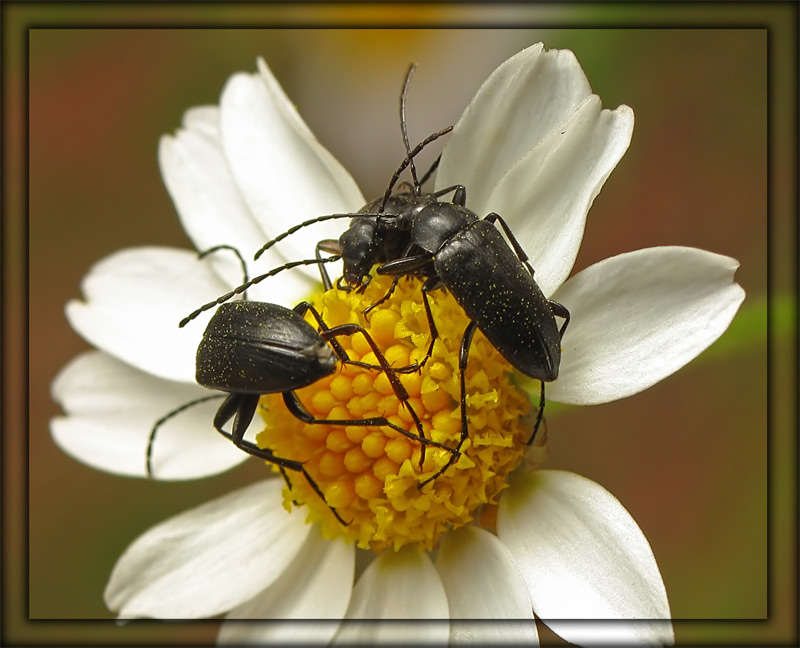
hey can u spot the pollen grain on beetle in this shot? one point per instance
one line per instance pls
(370, 475)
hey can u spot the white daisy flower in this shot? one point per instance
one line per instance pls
(481, 541)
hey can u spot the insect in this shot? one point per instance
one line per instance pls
(415, 233)
(385, 237)
(379, 231)
(254, 348)
(450, 247)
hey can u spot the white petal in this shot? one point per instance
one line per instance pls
(582, 556)
(202, 118)
(212, 211)
(535, 147)
(482, 582)
(285, 175)
(639, 317)
(397, 585)
(210, 559)
(546, 196)
(614, 633)
(315, 632)
(482, 632)
(317, 585)
(134, 301)
(119, 445)
(112, 409)
(520, 103)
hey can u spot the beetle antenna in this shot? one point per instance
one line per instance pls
(164, 419)
(404, 126)
(408, 160)
(252, 282)
(292, 230)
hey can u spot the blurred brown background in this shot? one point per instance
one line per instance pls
(688, 458)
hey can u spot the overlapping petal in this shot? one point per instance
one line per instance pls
(316, 585)
(397, 585)
(482, 582)
(639, 317)
(212, 210)
(209, 559)
(535, 147)
(546, 196)
(110, 411)
(582, 556)
(516, 108)
(134, 300)
(284, 174)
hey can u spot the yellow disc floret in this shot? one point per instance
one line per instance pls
(371, 475)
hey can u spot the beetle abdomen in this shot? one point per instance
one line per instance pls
(261, 348)
(499, 294)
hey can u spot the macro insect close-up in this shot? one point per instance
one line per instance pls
(350, 406)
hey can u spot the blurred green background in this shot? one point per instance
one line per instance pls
(688, 458)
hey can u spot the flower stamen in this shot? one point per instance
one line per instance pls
(395, 489)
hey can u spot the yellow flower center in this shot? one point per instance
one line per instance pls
(371, 475)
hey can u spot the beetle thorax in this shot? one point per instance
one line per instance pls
(438, 223)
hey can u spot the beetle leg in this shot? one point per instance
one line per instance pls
(492, 218)
(298, 410)
(246, 410)
(392, 288)
(405, 265)
(459, 193)
(341, 286)
(539, 415)
(401, 267)
(561, 311)
(243, 407)
(216, 248)
(304, 307)
(431, 283)
(228, 409)
(430, 171)
(399, 391)
(463, 356)
(364, 283)
(388, 294)
(333, 246)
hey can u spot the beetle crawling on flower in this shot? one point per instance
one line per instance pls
(535, 146)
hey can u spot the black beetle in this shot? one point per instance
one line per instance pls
(373, 236)
(451, 247)
(415, 233)
(254, 348)
(379, 231)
